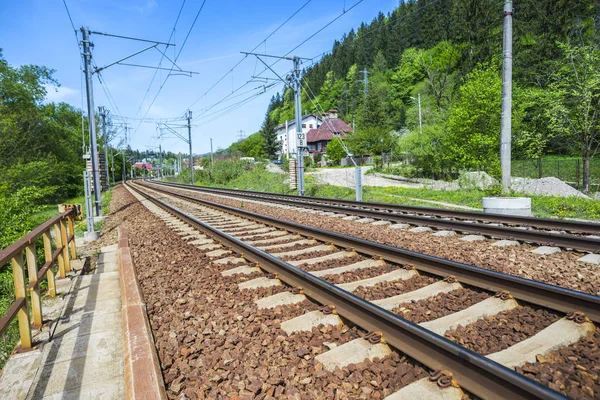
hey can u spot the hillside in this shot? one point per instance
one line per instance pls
(449, 53)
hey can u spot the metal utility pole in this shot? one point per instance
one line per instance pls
(102, 111)
(420, 116)
(505, 127)
(112, 160)
(241, 135)
(189, 124)
(160, 174)
(87, 61)
(212, 158)
(300, 136)
(294, 81)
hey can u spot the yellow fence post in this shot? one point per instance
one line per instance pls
(48, 257)
(61, 258)
(72, 244)
(63, 233)
(20, 293)
(32, 271)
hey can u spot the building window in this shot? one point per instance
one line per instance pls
(304, 125)
(310, 126)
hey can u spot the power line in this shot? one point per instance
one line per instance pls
(176, 57)
(295, 48)
(72, 24)
(160, 61)
(257, 46)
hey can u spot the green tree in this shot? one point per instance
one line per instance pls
(474, 122)
(371, 140)
(576, 84)
(438, 65)
(271, 145)
(335, 151)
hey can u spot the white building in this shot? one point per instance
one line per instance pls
(286, 133)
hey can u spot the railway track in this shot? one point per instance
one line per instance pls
(550, 232)
(314, 260)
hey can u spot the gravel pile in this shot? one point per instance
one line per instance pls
(545, 186)
(276, 169)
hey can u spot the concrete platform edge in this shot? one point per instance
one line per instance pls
(143, 377)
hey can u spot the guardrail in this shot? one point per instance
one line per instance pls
(22, 256)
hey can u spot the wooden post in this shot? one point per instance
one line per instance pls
(48, 257)
(63, 234)
(72, 244)
(20, 293)
(32, 271)
(61, 258)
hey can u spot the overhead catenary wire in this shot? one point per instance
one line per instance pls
(299, 45)
(173, 65)
(243, 58)
(160, 61)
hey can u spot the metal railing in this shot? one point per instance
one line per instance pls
(23, 258)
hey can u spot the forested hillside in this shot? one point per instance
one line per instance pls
(449, 52)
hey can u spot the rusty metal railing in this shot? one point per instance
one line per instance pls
(22, 256)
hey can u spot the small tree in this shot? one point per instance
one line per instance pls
(335, 152)
(576, 114)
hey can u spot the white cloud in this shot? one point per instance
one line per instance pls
(56, 94)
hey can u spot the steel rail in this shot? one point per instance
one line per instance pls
(543, 223)
(539, 293)
(477, 374)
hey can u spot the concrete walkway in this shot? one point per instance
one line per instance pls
(81, 354)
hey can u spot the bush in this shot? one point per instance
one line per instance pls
(318, 157)
(308, 162)
(378, 163)
(228, 170)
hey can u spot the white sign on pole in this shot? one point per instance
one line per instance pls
(301, 139)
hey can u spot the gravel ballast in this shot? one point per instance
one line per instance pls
(213, 342)
(560, 269)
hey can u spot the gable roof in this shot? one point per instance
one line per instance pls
(324, 131)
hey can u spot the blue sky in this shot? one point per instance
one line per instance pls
(39, 32)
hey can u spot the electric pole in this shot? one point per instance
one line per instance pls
(189, 125)
(293, 81)
(505, 127)
(240, 135)
(300, 136)
(87, 58)
(160, 162)
(212, 158)
(102, 111)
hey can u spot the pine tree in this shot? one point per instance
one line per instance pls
(267, 130)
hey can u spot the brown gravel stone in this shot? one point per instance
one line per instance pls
(360, 274)
(498, 332)
(213, 342)
(312, 254)
(389, 289)
(439, 306)
(340, 262)
(560, 269)
(571, 370)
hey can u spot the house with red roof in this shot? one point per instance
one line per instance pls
(331, 126)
